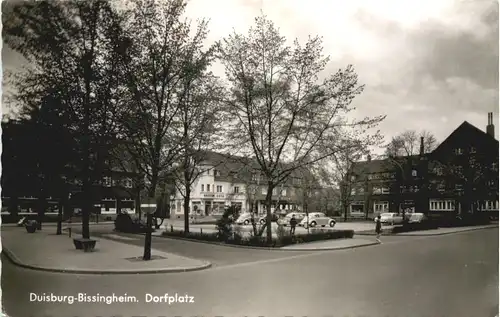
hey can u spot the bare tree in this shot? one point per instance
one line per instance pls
(162, 58)
(281, 112)
(408, 143)
(198, 120)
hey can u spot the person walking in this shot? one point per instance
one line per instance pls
(293, 224)
(378, 228)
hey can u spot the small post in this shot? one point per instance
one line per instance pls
(69, 232)
(171, 228)
(201, 230)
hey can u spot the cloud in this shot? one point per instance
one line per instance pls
(428, 64)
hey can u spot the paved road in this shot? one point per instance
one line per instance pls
(454, 275)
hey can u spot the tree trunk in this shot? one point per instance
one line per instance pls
(345, 212)
(138, 203)
(60, 217)
(269, 197)
(186, 209)
(41, 205)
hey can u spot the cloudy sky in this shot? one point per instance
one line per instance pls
(425, 64)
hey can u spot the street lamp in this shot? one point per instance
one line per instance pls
(149, 207)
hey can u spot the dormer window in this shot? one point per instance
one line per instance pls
(414, 173)
(217, 172)
(459, 151)
(472, 149)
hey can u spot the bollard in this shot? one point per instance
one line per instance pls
(69, 232)
(201, 231)
(171, 228)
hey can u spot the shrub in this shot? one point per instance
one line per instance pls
(224, 225)
(258, 241)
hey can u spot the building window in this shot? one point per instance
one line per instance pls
(385, 190)
(353, 178)
(472, 149)
(472, 162)
(208, 187)
(283, 192)
(459, 151)
(438, 171)
(459, 187)
(414, 173)
(275, 191)
(459, 170)
(296, 181)
(381, 206)
(377, 190)
(353, 191)
(494, 166)
(441, 205)
(255, 177)
(264, 191)
(236, 189)
(219, 188)
(441, 187)
(108, 181)
(128, 183)
(202, 187)
(217, 172)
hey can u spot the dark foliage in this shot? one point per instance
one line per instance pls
(408, 227)
(224, 225)
(125, 223)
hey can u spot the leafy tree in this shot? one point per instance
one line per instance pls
(279, 107)
(73, 52)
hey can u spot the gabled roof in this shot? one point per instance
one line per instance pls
(473, 133)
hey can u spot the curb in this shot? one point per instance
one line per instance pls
(14, 260)
(268, 248)
(441, 233)
(337, 248)
(408, 234)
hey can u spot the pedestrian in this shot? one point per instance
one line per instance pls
(293, 224)
(378, 228)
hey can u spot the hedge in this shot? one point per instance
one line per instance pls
(256, 241)
(418, 226)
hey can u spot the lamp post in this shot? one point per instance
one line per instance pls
(149, 207)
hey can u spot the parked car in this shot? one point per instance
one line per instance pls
(286, 220)
(317, 219)
(245, 218)
(274, 218)
(417, 218)
(391, 218)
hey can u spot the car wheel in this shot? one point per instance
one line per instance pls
(332, 224)
(246, 222)
(313, 224)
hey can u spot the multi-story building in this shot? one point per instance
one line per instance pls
(460, 175)
(230, 180)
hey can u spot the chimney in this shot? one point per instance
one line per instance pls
(422, 149)
(490, 128)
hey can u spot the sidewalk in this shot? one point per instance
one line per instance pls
(432, 232)
(441, 231)
(337, 244)
(56, 253)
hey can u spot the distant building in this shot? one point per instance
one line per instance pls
(225, 180)
(459, 176)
